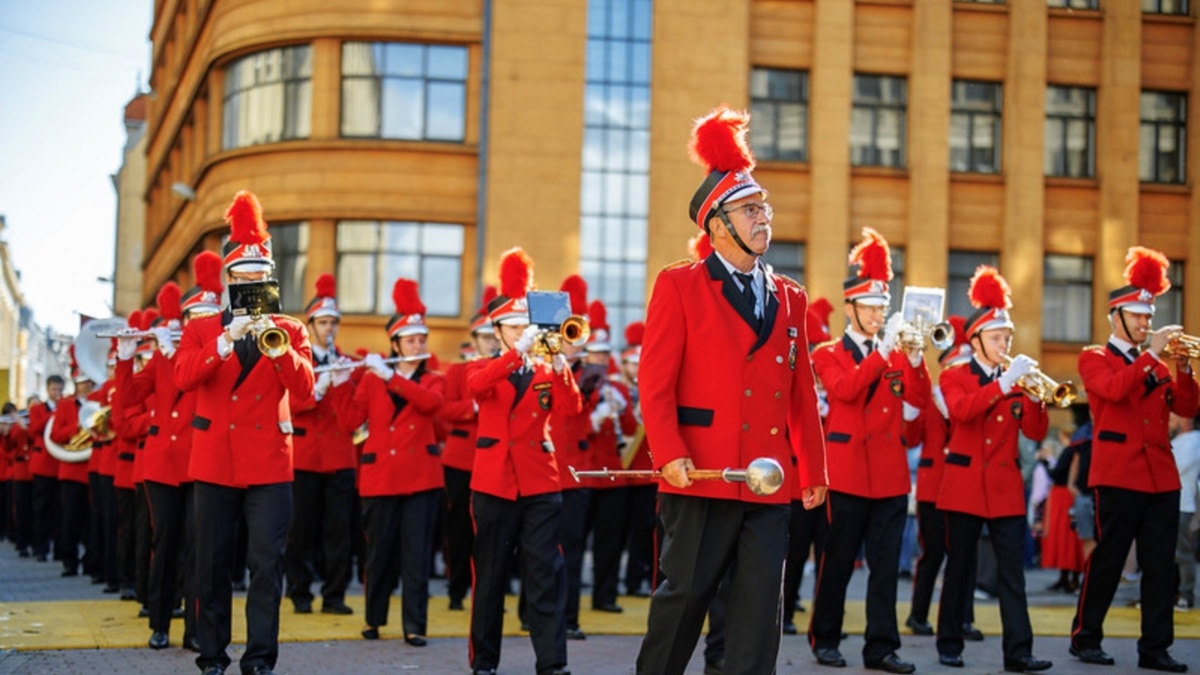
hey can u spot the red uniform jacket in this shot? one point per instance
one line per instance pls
(42, 463)
(715, 390)
(865, 431)
(514, 455)
(321, 438)
(607, 443)
(131, 421)
(401, 455)
(1131, 402)
(106, 464)
(18, 444)
(167, 450)
(982, 473)
(934, 431)
(570, 434)
(458, 414)
(242, 425)
(64, 425)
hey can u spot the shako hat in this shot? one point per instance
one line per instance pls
(992, 298)
(634, 332)
(511, 307)
(325, 301)
(719, 146)
(480, 325)
(169, 301)
(873, 257)
(205, 296)
(409, 318)
(960, 351)
(1146, 278)
(249, 245)
(598, 339)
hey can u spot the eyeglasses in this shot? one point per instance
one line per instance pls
(753, 210)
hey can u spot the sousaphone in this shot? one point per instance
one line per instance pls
(91, 356)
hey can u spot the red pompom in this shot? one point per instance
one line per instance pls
(1146, 268)
(516, 272)
(326, 286)
(700, 246)
(597, 315)
(149, 316)
(168, 300)
(135, 320)
(206, 268)
(873, 256)
(489, 294)
(407, 297)
(576, 287)
(989, 289)
(719, 141)
(245, 219)
(634, 333)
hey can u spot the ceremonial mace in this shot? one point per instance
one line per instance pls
(763, 476)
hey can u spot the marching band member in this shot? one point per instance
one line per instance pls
(44, 468)
(1133, 475)
(981, 481)
(516, 499)
(640, 564)
(709, 324)
(241, 460)
(101, 559)
(875, 389)
(73, 476)
(400, 473)
(458, 456)
(324, 458)
(17, 444)
(130, 421)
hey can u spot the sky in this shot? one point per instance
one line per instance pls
(67, 69)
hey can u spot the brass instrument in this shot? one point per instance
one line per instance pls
(272, 340)
(350, 365)
(94, 422)
(913, 335)
(260, 299)
(176, 334)
(763, 476)
(1182, 345)
(21, 417)
(574, 330)
(1044, 388)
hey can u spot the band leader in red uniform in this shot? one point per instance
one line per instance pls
(725, 379)
(1135, 482)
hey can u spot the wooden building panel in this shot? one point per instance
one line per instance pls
(879, 202)
(980, 44)
(1073, 49)
(782, 33)
(976, 215)
(1167, 55)
(1072, 219)
(1163, 219)
(883, 39)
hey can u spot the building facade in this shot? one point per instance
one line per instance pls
(422, 139)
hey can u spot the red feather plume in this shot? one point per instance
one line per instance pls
(989, 289)
(489, 294)
(822, 308)
(1147, 269)
(168, 299)
(516, 272)
(576, 287)
(700, 246)
(719, 141)
(634, 333)
(245, 219)
(326, 286)
(149, 316)
(597, 316)
(206, 268)
(135, 320)
(815, 325)
(873, 256)
(959, 323)
(407, 297)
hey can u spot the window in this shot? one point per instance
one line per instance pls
(616, 158)
(1067, 300)
(786, 258)
(371, 255)
(877, 121)
(404, 90)
(961, 268)
(289, 246)
(268, 97)
(1070, 132)
(1165, 6)
(1074, 4)
(1162, 148)
(1168, 307)
(779, 108)
(975, 126)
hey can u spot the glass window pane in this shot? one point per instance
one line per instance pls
(447, 104)
(360, 107)
(404, 60)
(445, 240)
(403, 108)
(441, 285)
(449, 63)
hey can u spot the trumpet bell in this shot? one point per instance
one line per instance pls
(272, 340)
(575, 330)
(941, 336)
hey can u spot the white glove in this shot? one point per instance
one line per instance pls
(165, 344)
(525, 342)
(126, 348)
(891, 334)
(559, 361)
(602, 412)
(616, 399)
(239, 327)
(377, 366)
(341, 375)
(1020, 367)
(324, 381)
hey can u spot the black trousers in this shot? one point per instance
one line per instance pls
(931, 533)
(459, 536)
(267, 510)
(21, 530)
(534, 524)
(6, 520)
(45, 514)
(323, 508)
(1123, 517)
(171, 511)
(93, 561)
(104, 528)
(854, 522)
(1008, 542)
(126, 537)
(399, 531)
(609, 516)
(142, 540)
(74, 509)
(641, 562)
(702, 539)
(806, 530)
(574, 541)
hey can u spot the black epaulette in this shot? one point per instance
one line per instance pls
(682, 262)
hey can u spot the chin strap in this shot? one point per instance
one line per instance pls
(733, 233)
(1125, 326)
(857, 320)
(983, 350)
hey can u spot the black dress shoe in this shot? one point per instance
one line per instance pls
(918, 627)
(1162, 662)
(1027, 664)
(328, 608)
(261, 670)
(970, 632)
(111, 588)
(70, 573)
(484, 671)
(177, 613)
(41, 557)
(789, 628)
(129, 594)
(213, 670)
(829, 656)
(891, 664)
(576, 634)
(456, 604)
(371, 633)
(714, 667)
(610, 607)
(951, 660)
(302, 606)
(143, 612)
(239, 586)
(1094, 656)
(191, 644)
(560, 671)
(416, 640)
(158, 640)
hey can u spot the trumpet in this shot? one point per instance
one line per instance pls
(1182, 345)
(574, 330)
(350, 365)
(176, 334)
(763, 476)
(913, 335)
(1044, 388)
(21, 417)
(272, 340)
